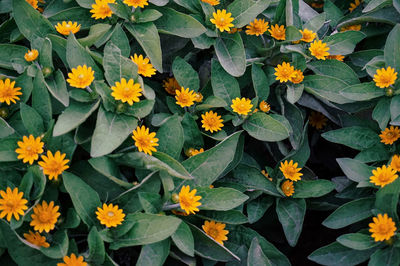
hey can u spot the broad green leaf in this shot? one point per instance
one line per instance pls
(108, 167)
(120, 39)
(75, 114)
(292, 33)
(85, 3)
(140, 109)
(183, 239)
(148, 15)
(95, 33)
(312, 188)
(84, 198)
(80, 15)
(5, 129)
(387, 199)
(112, 63)
(336, 69)
(267, 127)
(96, 247)
(389, 256)
(257, 208)
(154, 254)
(224, 85)
(33, 122)
(291, 214)
(191, 132)
(7, 149)
(59, 246)
(58, 88)
(395, 109)
(316, 22)
(355, 170)
(220, 199)
(392, 46)
(359, 138)
(260, 82)
(111, 130)
(362, 92)
(211, 102)
(349, 213)
(184, 73)
(41, 98)
(374, 154)
(357, 241)
(45, 54)
(375, 5)
(386, 15)
(245, 11)
(228, 217)
(12, 57)
(231, 55)
(256, 256)
(170, 136)
(343, 43)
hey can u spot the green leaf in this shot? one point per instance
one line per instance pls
(228, 217)
(375, 4)
(58, 88)
(41, 98)
(257, 208)
(75, 114)
(362, 92)
(211, 102)
(111, 130)
(387, 199)
(184, 73)
(146, 229)
(107, 167)
(312, 188)
(148, 15)
(357, 241)
(85, 3)
(120, 39)
(256, 256)
(267, 127)
(112, 63)
(395, 109)
(343, 43)
(154, 254)
(389, 256)
(96, 32)
(171, 137)
(12, 57)
(179, 24)
(245, 11)
(224, 85)
(260, 82)
(5, 129)
(392, 46)
(7, 150)
(191, 132)
(359, 138)
(96, 247)
(84, 198)
(33, 122)
(147, 36)
(59, 246)
(349, 213)
(355, 170)
(140, 109)
(316, 22)
(231, 55)
(291, 214)
(336, 69)
(220, 199)
(386, 15)
(183, 239)
(45, 54)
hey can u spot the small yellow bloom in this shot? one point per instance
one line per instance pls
(33, 3)
(234, 30)
(356, 27)
(382, 228)
(297, 77)
(188, 200)
(185, 98)
(395, 163)
(189, 152)
(81, 77)
(222, 20)
(257, 27)
(73, 261)
(216, 231)
(354, 5)
(290, 170)
(264, 106)
(317, 5)
(144, 67)
(390, 135)
(29, 149)
(385, 77)
(383, 176)
(65, 28)
(110, 215)
(53, 166)
(319, 50)
(44, 216)
(126, 91)
(287, 188)
(195, 152)
(278, 32)
(101, 9)
(284, 72)
(198, 97)
(211, 2)
(336, 57)
(12, 204)
(8, 93)
(136, 3)
(211, 121)
(317, 120)
(308, 35)
(31, 55)
(36, 239)
(266, 175)
(242, 106)
(171, 85)
(144, 140)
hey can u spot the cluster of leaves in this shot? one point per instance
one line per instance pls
(94, 130)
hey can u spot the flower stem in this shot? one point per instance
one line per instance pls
(171, 207)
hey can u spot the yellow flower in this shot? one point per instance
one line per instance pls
(383, 176)
(144, 140)
(73, 261)
(390, 135)
(185, 97)
(354, 5)
(216, 231)
(33, 3)
(53, 166)
(81, 77)
(171, 85)
(222, 20)
(290, 170)
(317, 120)
(101, 9)
(317, 5)
(8, 93)
(110, 215)
(198, 97)
(266, 175)
(382, 228)
(297, 77)
(65, 28)
(211, 122)
(211, 2)
(395, 163)
(356, 27)
(189, 152)
(319, 50)
(308, 35)
(385, 77)
(284, 72)
(12, 203)
(188, 200)
(195, 152)
(336, 57)
(257, 27)
(278, 32)
(44, 216)
(136, 3)
(126, 91)
(29, 149)
(287, 188)
(264, 106)
(36, 239)
(234, 30)
(31, 55)
(144, 67)
(242, 106)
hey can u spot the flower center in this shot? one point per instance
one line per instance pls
(12, 204)
(110, 214)
(67, 26)
(45, 217)
(390, 134)
(384, 177)
(185, 201)
(383, 229)
(213, 232)
(54, 167)
(81, 76)
(290, 170)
